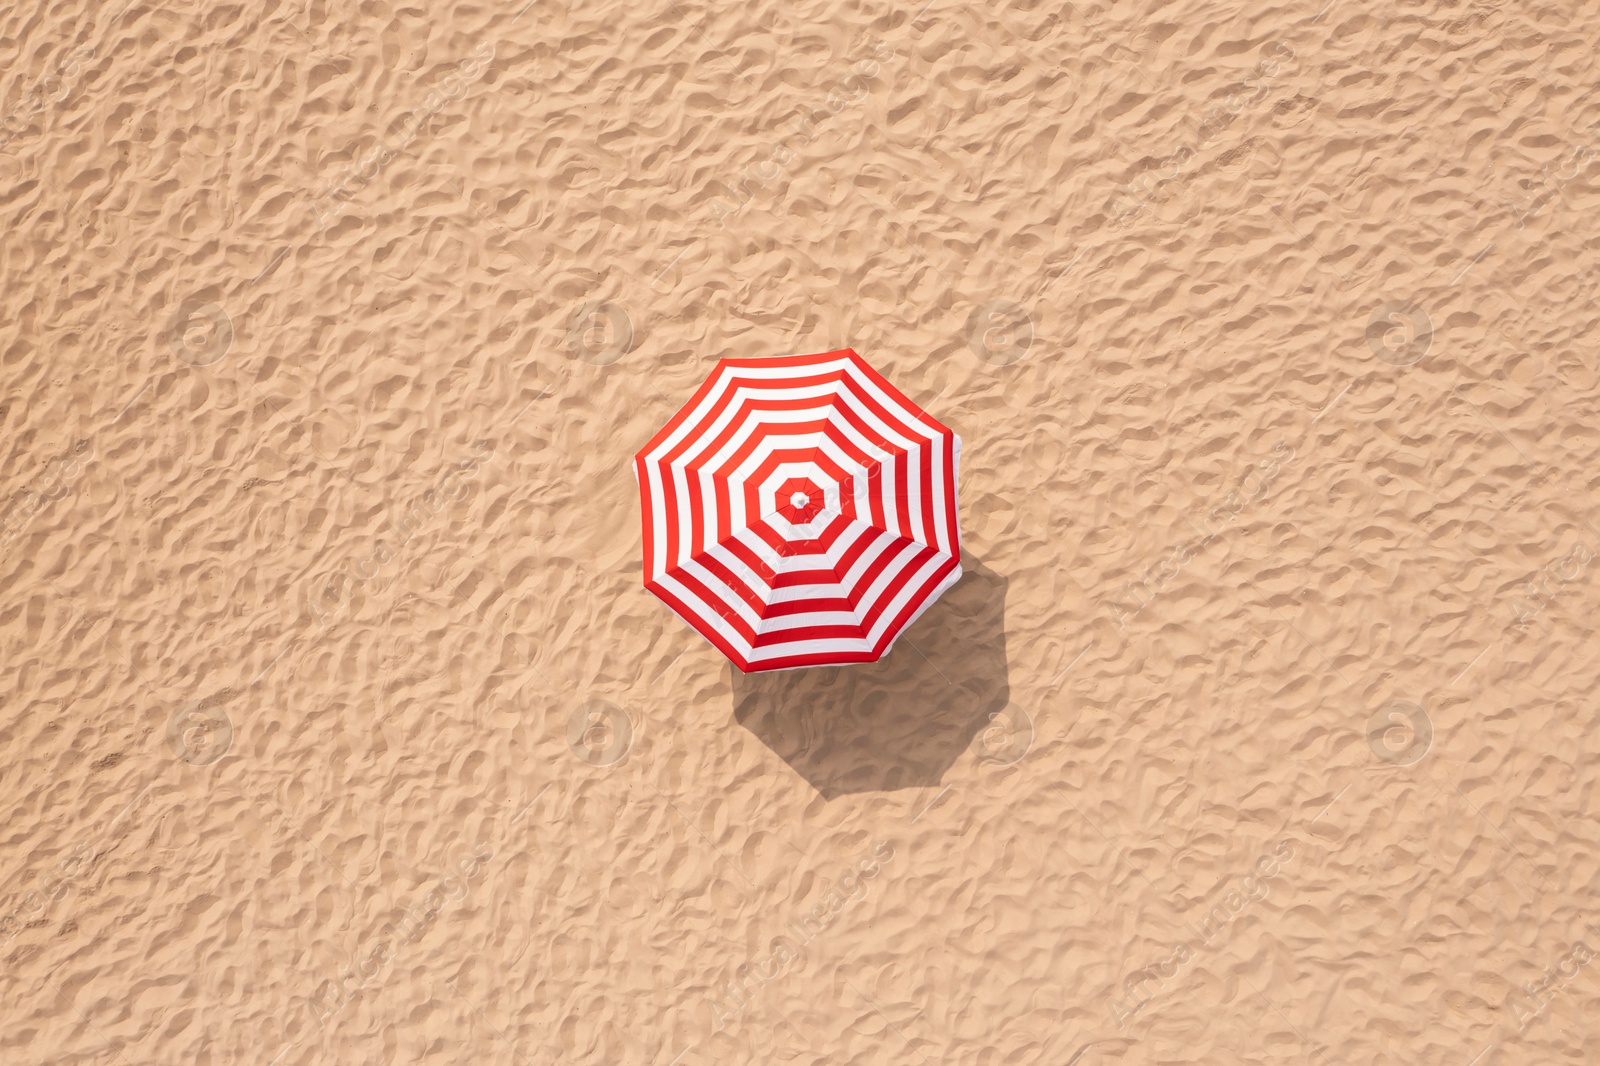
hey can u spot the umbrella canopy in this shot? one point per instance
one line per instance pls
(800, 511)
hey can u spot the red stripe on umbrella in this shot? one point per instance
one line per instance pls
(800, 511)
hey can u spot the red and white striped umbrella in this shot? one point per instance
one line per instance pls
(800, 511)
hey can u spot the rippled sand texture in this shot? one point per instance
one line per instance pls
(335, 726)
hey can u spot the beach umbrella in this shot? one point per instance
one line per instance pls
(800, 511)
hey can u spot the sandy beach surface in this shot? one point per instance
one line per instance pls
(336, 726)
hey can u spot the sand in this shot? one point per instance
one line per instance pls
(335, 726)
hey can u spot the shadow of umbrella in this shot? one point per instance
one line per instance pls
(897, 723)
